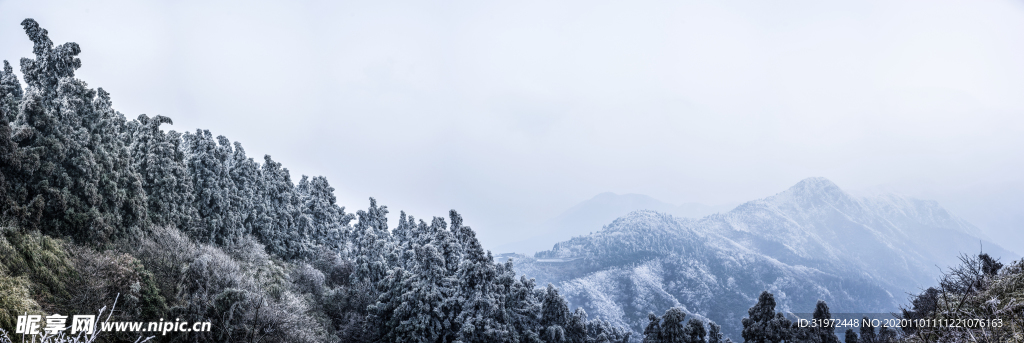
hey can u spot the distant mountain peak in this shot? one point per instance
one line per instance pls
(813, 190)
(815, 184)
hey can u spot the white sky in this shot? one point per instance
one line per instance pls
(512, 112)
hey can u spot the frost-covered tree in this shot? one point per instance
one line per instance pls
(714, 333)
(78, 176)
(763, 325)
(370, 239)
(158, 158)
(554, 316)
(694, 332)
(11, 174)
(276, 224)
(851, 337)
(227, 239)
(652, 333)
(867, 331)
(824, 334)
(673, 329)
(10, 93)
(323, 223)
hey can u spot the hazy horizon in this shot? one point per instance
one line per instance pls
(512, 113)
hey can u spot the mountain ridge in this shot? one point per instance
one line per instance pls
(811, 241)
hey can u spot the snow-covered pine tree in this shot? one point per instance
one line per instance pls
(158, 158)
(694, 331)
(867, 332)
(851, 337)
(576, 331)
(247, 200)
(324, 222)
(554, 316)
(11, 173)
(652, 333)
(10, 93)
(277, 226)
(823, 334)
(79, 179)
(672, 326)
(208, 165)
(371, 239)
(714, 332)
(763, 325)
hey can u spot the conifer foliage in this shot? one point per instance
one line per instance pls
(215, 235)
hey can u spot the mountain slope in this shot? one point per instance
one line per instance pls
(812, 241)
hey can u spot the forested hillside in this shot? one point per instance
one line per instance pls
(810, 242)
(96, 207)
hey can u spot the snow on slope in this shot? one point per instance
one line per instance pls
(812, 241)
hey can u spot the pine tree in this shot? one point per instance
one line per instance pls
(11, 173)
(10, 94)
(276, 227)
(576, 330)
(763, 325)
(714, 332)
(885, 334)
(158, 158)
(79, 179)
(554, 316)
(672, 327)
(851, 337)
(695, 332)
(652, 333)
(867, 332)
(824, 334)
(211, 183)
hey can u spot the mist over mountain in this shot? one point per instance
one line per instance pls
(593, 214)
(812, 241)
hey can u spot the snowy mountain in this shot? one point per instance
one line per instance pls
(812, 241)
(591, 215)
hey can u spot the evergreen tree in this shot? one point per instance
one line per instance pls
(885, 334)
(370, 238)
(695, 332)
(11, 173)
(672, 327)
(158, 158)
(576, 330)
(714, 333)
(276, 226)
(652, 333)
(822, 333)
(554, 316)
(211, 181)
(867, 331)
(763, 325)
(851, 337)
(10, 94)
(79, 179)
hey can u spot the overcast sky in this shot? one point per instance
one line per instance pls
(514, 111)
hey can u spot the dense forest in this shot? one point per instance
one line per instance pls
(98, 208)
(102, 212)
